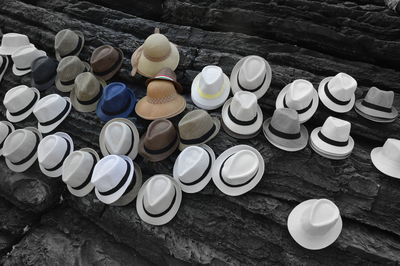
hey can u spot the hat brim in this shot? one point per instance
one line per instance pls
(373, 118)
(58, 172)
(82, 36)
(83, 107)
(89, 187)
(209, 104)
(12, 128)
(49, 128)
(156, 157)
(379, 115)
(164, 218)
(150, 111)
(328, 148)
(331, 105)
(286, 144)
(20, 72)
(132, 194)
(10, 50)
(68, 88)
(328, 155)
(239, 129)
(104, 117)
(234, 77)
(117, 68)
(236, 191)
(4, 66)
(217, 124)
(304, 239)
(108, 199)
(303, 117)
(150, 69)
(383, 164)
(18, 118)
(23, 167)
(136, 138)
(203, 183)
(238, 136)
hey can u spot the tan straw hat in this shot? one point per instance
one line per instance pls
(87, 92)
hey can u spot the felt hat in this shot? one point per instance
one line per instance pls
(111, 177)
(119, 136)
(52, 152)
(238, 170)
(167, 74)
(133, 189)
(192, 168)
(387, 158)
(337, 93)
(106, 61)
(159, 141)
(284, 131)
(68, 69)
(6, 128)
(19, 102)
(377, 106)
(156, 53)
(3, 66)
(77, 171)
(23, 58)
(10, 42)
(161, 101)
(20, 148)
(68, 42)
(242, 116)
(252, 73)
(315, 224)
(44, 72)
(87, 92)
(210, 88)
(117, 101)
(51, 111)
(301, 96)
(197, 127)
(159, 200)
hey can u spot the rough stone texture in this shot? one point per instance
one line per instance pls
(300, 39)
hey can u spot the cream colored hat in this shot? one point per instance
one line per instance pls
(68, 42)
(87, 92)
(68, 69)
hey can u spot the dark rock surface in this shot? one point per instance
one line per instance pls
(300, 39)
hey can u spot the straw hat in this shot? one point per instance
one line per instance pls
(68, 69)
(167, 74)
(3, 66)
(10, 42)
(133, 189)
(23, 58)
(68, 42)
(44, 72)
(106, 61)
(387, 158)
(6, 128)
(19, 102)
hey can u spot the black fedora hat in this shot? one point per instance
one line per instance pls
(44, 72)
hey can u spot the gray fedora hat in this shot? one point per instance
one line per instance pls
(68, 42)
(68, 69)
(86, 92)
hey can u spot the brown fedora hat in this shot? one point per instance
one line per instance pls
(160, 140)
(106, 61)
(167, 74)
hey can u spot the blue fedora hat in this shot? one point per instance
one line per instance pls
(117, 101)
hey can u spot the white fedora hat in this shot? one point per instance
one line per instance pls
(252, 73)
(11, 42)
(315, 224)
(119, 136)
(301, 96)
(192, 168)
(6, 128)
(238, 170)
(328, 155)
(210, 88)
(67, 70)
(3, 66)
(77, 171)
(112, 176)
(50, 111)
(284, 131)
(52, 152)
(387, 158)
(242, 116)
(23, 58)
(159, 200)
(337, 93)
(20, 148)
(19, 102)
(333, 137)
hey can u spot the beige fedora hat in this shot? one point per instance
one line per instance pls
(156, 53)
(68, 69)
(387, 158)
(86, 92)
(68, 42)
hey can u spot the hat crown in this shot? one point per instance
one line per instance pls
(77, 167)
(116, 97)
(391, 150)
(158, 194)
(240, 167)
(191, 163)
(380, 97)
(51, 150)
(87, 86)
(70, 67)
(286, 120)
(109, 171)
(49, 107)
(19, 144)
(161, 91)
(156, 46)
(104, 57)
(342, 86)
(211, 79)
(24, 56)
(244, 105)
(118, 138)
(44, 69)
(320, 217)
(14, 40)
(160, 134)
(195, 124)
(336, 129)
(4, 131)
(252, 73)
(18, 97)
(65, 41)
(300, 94)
